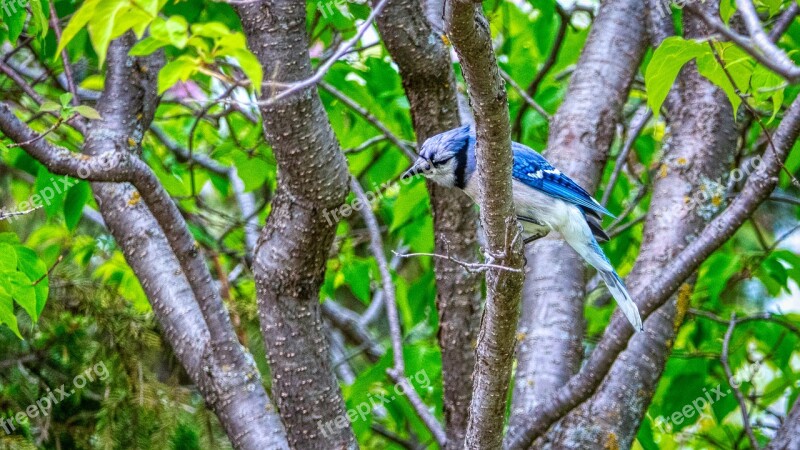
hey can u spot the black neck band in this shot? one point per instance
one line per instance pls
(461, 165)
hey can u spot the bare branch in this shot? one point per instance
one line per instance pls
(397, 372)
(726, 343)
(469, 32)
(530, 101)
(469, 267)
(323, 69)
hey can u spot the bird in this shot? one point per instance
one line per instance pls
(544, 200)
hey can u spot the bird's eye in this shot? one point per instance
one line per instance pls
(441, 161)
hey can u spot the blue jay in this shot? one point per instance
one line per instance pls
(544, 198)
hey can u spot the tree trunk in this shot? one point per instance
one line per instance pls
(293, 248)
(430, 86)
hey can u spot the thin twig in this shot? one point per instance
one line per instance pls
(637, 125)
(8, 214)
(49, 271)
(552, 57)
(365, 145)
(739, 397)
(528, 99)
(64, 56)
(59, 121)
(397, 372)
(469, 267)
(323, 69)
(369, 117)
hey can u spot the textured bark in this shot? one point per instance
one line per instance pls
(552, 325)
(430, 86)
(469, 31)
(788, 436)
(293, 247)
(225, 374)
(700, 148)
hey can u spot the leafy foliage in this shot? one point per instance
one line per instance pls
(68, 298)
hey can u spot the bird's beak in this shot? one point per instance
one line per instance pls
(420, 166)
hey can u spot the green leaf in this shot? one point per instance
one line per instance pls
(49, 192)
(74, 203)
(65, 98)
(147, 46)
(101, 26)
(176, 28)
(7, 316)
(76, 24)
(8, 258)
(22, 290)
(726, 9)
(666, 63)
(88, 112)
(35, 269)
(134, 19)
(49, 106)
(179, 70)
(38, 22)
(214, 30)
(410, 202)
(9, 238)
(250, 66)
(709, 67)
(15, 22)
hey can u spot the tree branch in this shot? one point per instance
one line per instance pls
(398, 369)
(469, 32)
(202, 336)
(293, 249)
(726, 343)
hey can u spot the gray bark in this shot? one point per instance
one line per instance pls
(788, 436)
(293, 248)
(552, 324)
(430, 86)
(469, 32)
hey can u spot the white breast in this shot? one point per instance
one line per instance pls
(554, 213)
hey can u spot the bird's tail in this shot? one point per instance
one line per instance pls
(624, 300)
(586, 245)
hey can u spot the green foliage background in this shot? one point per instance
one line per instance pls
(68, 300)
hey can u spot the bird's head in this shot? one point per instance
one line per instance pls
(447, 158)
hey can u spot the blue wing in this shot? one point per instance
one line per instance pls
(532, 169)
